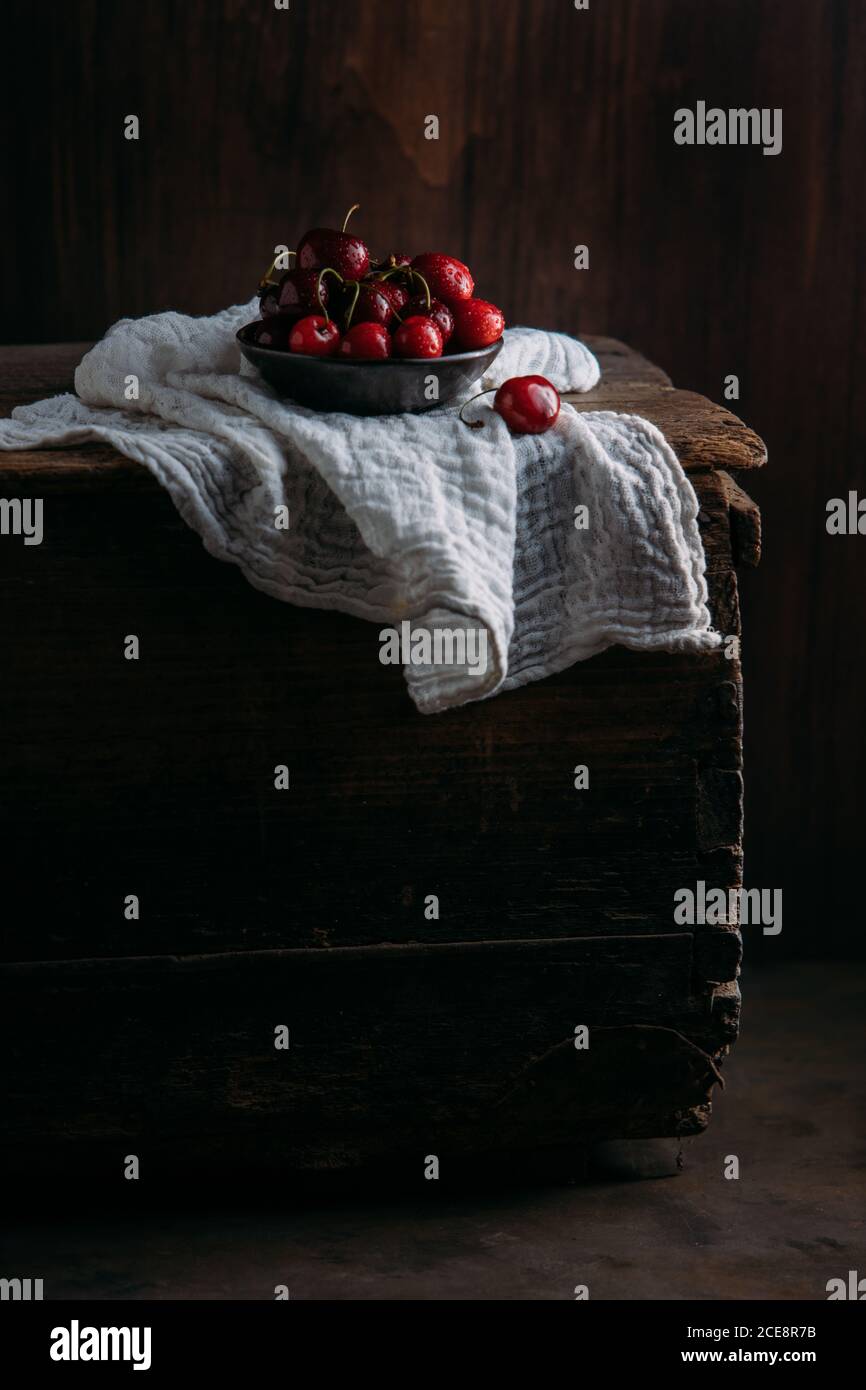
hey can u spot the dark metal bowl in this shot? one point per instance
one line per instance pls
(387, 387)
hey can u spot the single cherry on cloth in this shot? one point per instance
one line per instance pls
(315, 336)
(477, 324)
(449, 279)
(528, 404)
(435, 310)
(346, 254)
(417, 337)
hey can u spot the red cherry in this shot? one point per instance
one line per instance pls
(273, 331)
(527, 404)
(373, 305)
(346, 254)
(366, 340)
(299, 292)
(449, 279)
(315, 336)
(438, 312)
(269, 300)
(395, 261)
(398, 294)
(477, 324)
(418, 337)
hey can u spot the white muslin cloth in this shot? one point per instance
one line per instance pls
(408, 517)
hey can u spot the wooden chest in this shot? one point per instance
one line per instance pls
(432, 909)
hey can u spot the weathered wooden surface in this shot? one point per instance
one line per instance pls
(168, 763)
(702, 433)
(308, 906)
(444, 1049)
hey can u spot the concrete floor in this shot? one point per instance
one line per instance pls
(792, 1114)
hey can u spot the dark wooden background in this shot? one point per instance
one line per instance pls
(556, 129)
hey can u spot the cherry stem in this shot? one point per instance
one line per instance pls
(326, 270)
(357, 285)
(475, 424)
(353, 208)
(416, 275)
(381, 275)
(266, 278)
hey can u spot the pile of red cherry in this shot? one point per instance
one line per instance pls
(335, 301)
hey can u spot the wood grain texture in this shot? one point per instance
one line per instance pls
(156, 776)
(437, 1049)
(556, 129)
